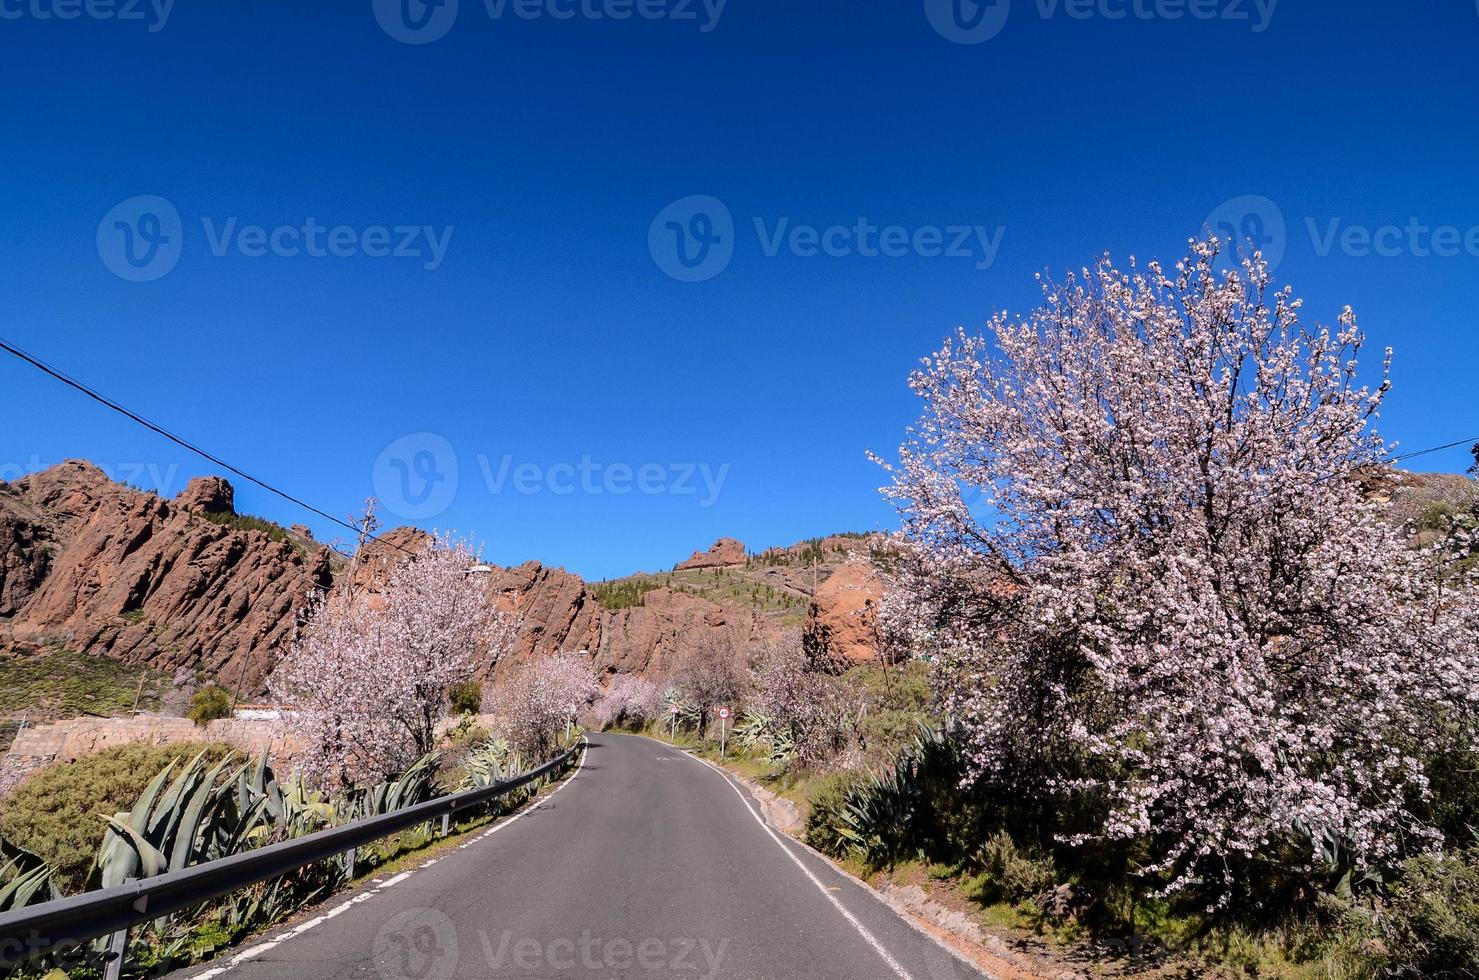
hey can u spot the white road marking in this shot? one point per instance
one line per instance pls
(872, 940)
(907, 920)
(252, 952)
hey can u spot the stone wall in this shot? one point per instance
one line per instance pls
(72, 738)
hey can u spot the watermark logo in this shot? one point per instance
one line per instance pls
(969, 21)
(415, 477)
(140, 239)
(417, 944)
(154, 13)
(594, 478)
(974, 21)
(692, 239)
(416, 21)
(424, 21)
(1247, 224)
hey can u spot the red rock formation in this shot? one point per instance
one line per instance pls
(557, 613)
(724, 553)
(646, 639)
(840, 623)
(208, 495)
(102, 568)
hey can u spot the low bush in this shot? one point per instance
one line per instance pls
(58, 813)
(825, 818)
(466, 697)
(1430, 925)
(209, 704)
(1011, 874)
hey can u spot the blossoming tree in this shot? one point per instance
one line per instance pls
(366, 681)
(537, 699)
(630, 700)
(1138, 546)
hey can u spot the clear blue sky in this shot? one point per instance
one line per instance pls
(549, 333)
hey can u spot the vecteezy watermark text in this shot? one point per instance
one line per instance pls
(418, 476)
(427, 243)
(614, 956)
(153, 13)
(161, 478)
(693, 239)
(425, 21)
(592, 477)
(975, 21)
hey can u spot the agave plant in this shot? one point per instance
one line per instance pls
(25, 879)
(415, 785)
(174, 824)
(882, 817)
(490, 762)
(688, 712)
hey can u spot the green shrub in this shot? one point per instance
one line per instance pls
(624, 593)
(1431, 923)
(209, 704)
(1010, 874)
(248, 522)
(466, 697)
(58, 813)
(825, 818)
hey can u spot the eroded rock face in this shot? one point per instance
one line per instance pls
(723, 553)
(840, 625)
(105, 569)
(208, 495)
(646, 639)
(24, 559)
(557, 612)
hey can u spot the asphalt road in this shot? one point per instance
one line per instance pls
(647, 865)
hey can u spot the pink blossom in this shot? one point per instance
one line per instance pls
(1136, 540)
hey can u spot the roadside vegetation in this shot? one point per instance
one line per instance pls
(1196, 705)
(372, 677)
(54, 682)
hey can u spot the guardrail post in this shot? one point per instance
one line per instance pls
(117, 949)
(446, 821)
(349, 864)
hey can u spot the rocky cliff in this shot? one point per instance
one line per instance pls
(188, 585)
(95, 566)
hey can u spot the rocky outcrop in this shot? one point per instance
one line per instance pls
(647, 638)
(724, 553)
(208, 495)
(556, 612)
(24, 557)
(383, 553)
(101, 568)
(840, 624)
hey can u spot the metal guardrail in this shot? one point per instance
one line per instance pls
(29, 932)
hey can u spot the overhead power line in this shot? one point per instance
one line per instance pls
(1472, 440)
(102, 399)
(128, 413)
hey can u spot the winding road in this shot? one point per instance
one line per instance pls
(647, 865)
